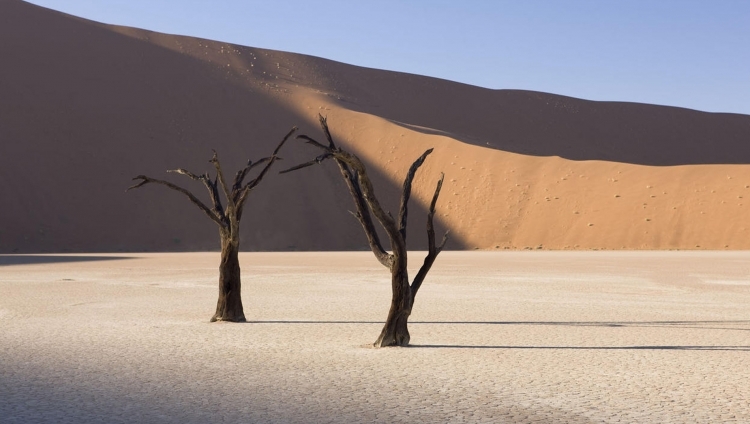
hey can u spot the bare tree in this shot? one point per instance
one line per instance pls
(229, 305)
(395, 331)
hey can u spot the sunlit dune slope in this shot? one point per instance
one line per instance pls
(85, 106)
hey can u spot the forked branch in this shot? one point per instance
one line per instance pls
(406, 193)
(240, 192)
(210, 186)
(433, 249)
(220, 176)
(239, 178)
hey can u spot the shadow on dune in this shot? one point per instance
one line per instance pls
(104, 106)
(6, 260)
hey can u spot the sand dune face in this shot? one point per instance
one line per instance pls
(85, 106)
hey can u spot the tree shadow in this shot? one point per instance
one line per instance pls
(705, 325)
(716, 348)
(7, 260)
(311, 322)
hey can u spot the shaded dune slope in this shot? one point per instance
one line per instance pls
(86, 106)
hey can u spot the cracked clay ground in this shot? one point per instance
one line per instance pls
(496, 337)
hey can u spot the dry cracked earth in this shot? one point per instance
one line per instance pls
(563, 337)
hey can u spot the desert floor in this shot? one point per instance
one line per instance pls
(496, 337)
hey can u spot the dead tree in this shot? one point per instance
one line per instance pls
(229, 305)
(395, 331)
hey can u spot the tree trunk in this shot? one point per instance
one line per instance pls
(229, 306)
(395, 331)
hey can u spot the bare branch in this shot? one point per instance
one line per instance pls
(242, 173)
(210, 186)
(251, 185)
(220, 176)
(286, 137)
(145, 180)
(445, 239)
(355, 175)
(237, 187)
(189, 174)
(363, 194)
(367, 191)
(315, 161)
(141, 184)
(406, 193)
(363, 215)
(363, 212)
(324, 124)
(214, 191)
(433, 250)
(240, 193)
(310, 140)
(437, 193)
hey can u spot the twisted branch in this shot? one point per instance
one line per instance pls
(363, 214)
(211, 214)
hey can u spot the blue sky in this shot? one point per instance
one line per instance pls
(687, 53)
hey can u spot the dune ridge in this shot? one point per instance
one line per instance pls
(86, 106)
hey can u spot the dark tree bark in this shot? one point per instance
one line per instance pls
(395, 331)
(229, 305)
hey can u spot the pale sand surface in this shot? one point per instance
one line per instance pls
(497, 337)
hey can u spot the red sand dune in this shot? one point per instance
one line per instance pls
(85, 106)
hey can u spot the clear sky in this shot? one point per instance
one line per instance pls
(688, 53)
